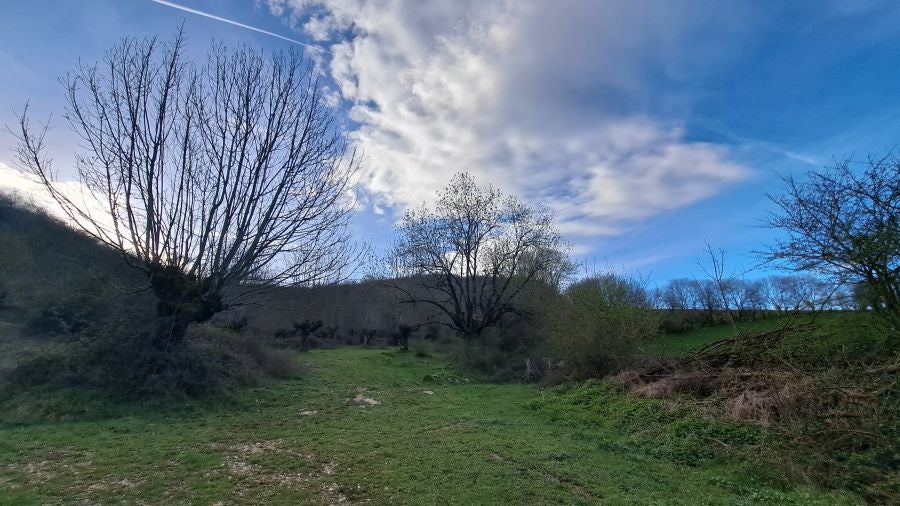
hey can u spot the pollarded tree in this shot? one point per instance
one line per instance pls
(475, 253)
(209, 174)
(845, 223)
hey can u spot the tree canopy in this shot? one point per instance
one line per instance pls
(475, 253)
(209, 174)
(844, 222)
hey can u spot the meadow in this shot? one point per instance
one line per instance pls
(371, 425)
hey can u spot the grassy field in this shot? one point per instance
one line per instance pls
(669, 345)
(383, 427)
(836, 334)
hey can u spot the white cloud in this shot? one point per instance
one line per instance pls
(29, 189)
(550, 100)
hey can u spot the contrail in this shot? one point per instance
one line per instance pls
(235, 23)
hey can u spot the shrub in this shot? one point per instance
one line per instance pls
(598, 325)
(255, 356)
(68, 316)
(421, 349)
(124, 359)
(500, 353)
(281, 364)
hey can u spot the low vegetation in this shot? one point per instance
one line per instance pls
(825, 386)
(76, 316)
(382, 426)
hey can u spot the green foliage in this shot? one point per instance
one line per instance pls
(650, 426)
(599, 324)
(68, 316)
(182, 295)
(124, 360)
(499, 353)
(826, 383)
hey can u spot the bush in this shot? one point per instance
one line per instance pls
(499, 353)
(254, 355)
(125, 360)
(421, 349)
(68, 316)
(684, 320)
(598, 325)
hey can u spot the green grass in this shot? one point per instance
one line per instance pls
(668, 345)
(838, 335)
(309, 441)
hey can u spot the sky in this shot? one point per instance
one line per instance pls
(650, 127)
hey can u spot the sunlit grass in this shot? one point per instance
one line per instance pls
(309, 441)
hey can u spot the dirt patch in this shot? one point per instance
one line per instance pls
(250, 448)
(54, 464)
(363, 400)
(360, 399)
(251, 476)
(115, 484)
(331, 493)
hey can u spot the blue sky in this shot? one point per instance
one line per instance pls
(649, 126)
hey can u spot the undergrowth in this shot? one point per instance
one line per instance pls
(823, 387)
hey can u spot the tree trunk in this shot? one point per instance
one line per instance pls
(181, 301)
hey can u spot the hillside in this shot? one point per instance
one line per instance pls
(54, 281)
(826, 384)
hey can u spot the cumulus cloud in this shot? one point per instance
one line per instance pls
(560, 102)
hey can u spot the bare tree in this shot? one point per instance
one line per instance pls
(844, 223)
(705, 293)
(718, 282)
(474, 254)
(680, 294)
(209, 174)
